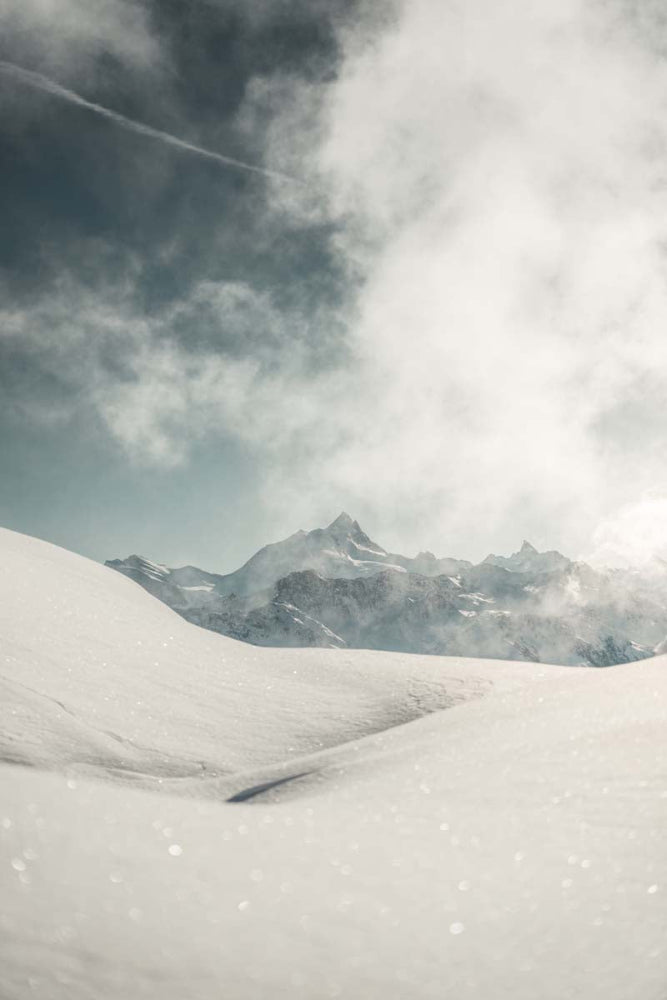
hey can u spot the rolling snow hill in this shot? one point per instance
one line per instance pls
(94, 669)
(187, 816)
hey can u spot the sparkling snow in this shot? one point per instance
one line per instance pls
(403, 826)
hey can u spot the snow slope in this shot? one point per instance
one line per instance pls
(509, 848)
(88, 658)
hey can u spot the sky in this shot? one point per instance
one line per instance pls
(262, 261)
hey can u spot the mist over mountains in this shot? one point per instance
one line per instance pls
(336, 587)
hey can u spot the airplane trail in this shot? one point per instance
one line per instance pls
(44, 83)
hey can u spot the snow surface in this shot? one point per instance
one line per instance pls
(510, 847)
(367, 548)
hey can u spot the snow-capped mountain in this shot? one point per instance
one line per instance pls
(336, 587)
(179, 588)
(529, 560)
(437, 615)
(341, 550)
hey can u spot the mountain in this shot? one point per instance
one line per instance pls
(336, 587)
(179, 588)
(341, 550)
(529, 560)
(435, 615)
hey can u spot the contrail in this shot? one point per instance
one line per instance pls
(40, 82)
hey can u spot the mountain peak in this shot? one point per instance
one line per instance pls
(343, 521)
(527, 547)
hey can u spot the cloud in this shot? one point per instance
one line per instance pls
(126, 318)
(489, 178)
(70, 34)
(246, 371)
(43, 83)
(496, 174)
(635, 535)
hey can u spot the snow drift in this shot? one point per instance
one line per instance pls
(398, 825)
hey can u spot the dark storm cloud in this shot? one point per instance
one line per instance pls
(48, 86)
(98, 218)
(69, 178)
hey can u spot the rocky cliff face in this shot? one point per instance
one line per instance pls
(413, 613)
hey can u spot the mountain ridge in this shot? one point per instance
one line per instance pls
(335, 586)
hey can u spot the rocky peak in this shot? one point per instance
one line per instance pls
(343, 523)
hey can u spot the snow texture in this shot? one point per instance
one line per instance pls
(185, 816)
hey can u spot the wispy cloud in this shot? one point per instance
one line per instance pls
(43, 83)
(225, 362)
(67, 36)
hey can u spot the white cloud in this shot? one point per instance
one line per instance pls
(635, 535)
(497, 171)
(494, 170)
